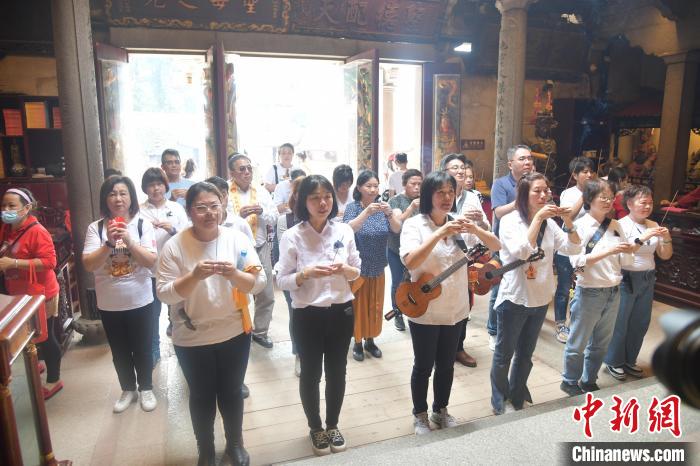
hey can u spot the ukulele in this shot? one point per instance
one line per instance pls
(490, 273)
(412, 298)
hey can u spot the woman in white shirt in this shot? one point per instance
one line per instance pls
(428, 246)
(597, 295)
(167, 217)
(319, 260)
(120, 250)
(211, 269)
(638, 279)
(526, 291)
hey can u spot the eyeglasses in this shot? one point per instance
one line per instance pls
(245, 168)
(605, 198)
(188, 321)
(203, 208)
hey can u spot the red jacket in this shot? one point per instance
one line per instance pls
(36, 243)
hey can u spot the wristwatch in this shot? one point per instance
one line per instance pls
(568, 230)
(109, 245)
(639, 241)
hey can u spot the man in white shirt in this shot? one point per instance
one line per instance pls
(171, 165)
(281, 171)
(256, 207)
(396, 178)
(581, 169)
(284, 189)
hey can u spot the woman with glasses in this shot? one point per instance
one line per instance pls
(597, 295)
(526, 291)
(638, 279)
(371, 220)
(120, 250)
(212, 269)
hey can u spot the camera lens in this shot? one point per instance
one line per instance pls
(677, 359)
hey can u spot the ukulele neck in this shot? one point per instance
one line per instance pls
(449, 271)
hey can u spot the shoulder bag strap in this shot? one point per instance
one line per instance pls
(540, 234)
(598, 235)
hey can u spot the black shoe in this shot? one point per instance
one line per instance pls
(570, 389)
(372, 349)
(319, 442)
(207, 456)
(336, 439)
(589, 387)
(245, 391)
(237, 454)
(263, 340)
(398, 322)
(357, 353)
(633, 370)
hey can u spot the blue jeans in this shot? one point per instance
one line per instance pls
(492, 324)
(561, 295)
(593, 314)
(636, 296)
(397, 270)
(517, 332)
(288, 298)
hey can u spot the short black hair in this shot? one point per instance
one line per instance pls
(233, 158)
(616, 176)
(287, 145)
(342, 174)
(522, 194)
(220, 183)
(152, 175)
(401, 158)
(592, 189)
(296, 173)
(111, 172)
(579, 164)
(107, 187)
(308, 185)
(408, 174)
(167, 152)
(434, 181)
(362, 178)
(633, 191)
(198, 188)
(453, 156)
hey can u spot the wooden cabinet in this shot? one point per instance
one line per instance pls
(24, 429)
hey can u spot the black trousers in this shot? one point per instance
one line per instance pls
(51, 353)
(129, 335)
(433, 345)
(323, 338)
(215, 374)
(463, 333)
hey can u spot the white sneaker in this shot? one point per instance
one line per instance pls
(297, 366)
(148, 400)
(421, 423)
(492, 342)
(443, 419)
(125, 400)
(562, 332)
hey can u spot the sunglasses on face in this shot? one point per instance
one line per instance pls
(245, 168)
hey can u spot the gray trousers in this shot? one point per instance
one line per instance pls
(265, 300)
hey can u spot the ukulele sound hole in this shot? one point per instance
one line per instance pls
(425, 288)
(488, 275)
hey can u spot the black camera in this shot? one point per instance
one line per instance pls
(676, 361)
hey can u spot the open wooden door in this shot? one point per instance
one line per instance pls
(110, 73)
(441, 113)
(362, 105)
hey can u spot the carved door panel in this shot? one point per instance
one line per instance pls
(362, 107)
(441, 113)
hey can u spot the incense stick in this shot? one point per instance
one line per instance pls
(668, 209)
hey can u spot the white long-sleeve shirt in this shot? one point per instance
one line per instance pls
(452, 305)
(301, 246)
(268, 216)
(515, 286)
(606, 272)
(568, 198)
(210, 306)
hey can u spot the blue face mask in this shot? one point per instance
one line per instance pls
(10, 217)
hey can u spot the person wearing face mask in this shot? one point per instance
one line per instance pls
(29, 244)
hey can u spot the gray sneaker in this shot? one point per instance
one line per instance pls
(443, 419)
(421, 423)
(562, 332)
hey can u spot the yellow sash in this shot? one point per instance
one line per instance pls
(236, 199)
